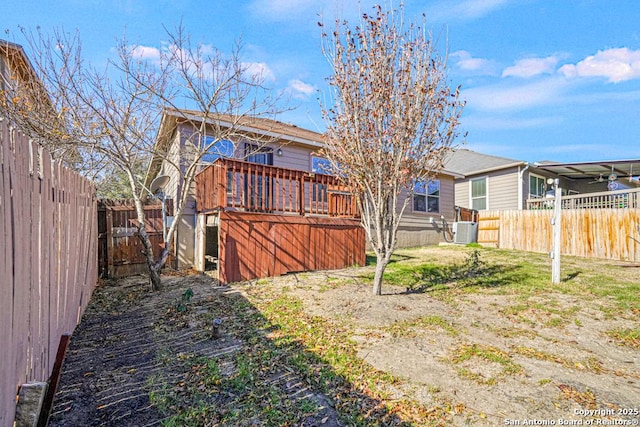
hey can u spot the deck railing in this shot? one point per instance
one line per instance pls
(251, 187)
(619, 199)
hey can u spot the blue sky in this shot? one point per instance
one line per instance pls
(543, 79)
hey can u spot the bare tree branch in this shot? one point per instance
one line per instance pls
(394, 118)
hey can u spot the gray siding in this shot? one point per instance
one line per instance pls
(416, 228)
(293, 157)
(502, 189)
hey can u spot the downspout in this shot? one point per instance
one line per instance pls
(521, 185)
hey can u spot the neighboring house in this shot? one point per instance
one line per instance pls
(14, 65)
(16, 71)
(285, 176)
(499, 183)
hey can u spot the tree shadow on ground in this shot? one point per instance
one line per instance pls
(159, 359)
(370, 260)
(469, 274)
(571, 276)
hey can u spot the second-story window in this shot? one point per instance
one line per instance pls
(216, 149)
(320, 165)
(260, 155)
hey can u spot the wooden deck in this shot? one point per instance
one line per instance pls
(254, 245)
(274, 221)
(619, 199)
(249, 187)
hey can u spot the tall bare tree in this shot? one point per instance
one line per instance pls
(108, 118)
(394, 117)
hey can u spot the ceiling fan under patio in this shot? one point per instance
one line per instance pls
(610, 178)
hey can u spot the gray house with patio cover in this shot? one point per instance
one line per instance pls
(499, 183)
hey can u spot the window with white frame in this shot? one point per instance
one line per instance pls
(479, 193)
(536, 186)
(426, 196)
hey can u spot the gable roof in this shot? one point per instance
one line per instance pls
(19, 67)
(467, 162)
(171, 118)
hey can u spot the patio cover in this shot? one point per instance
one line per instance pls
(593, 170)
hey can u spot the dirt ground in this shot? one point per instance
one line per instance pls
(132, 344)
(564, 366)
(501, 359)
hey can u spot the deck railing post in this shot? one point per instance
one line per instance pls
(221, 185)
(301, 194)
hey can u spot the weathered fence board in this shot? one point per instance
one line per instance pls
(598, 233)
(120, 251)
(263, 245)
(48, 268)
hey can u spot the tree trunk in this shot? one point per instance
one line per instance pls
(381, 265)
(154, 278)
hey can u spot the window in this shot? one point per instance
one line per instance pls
(479, 193)
(319, 192)
(216, 150)
(320, 165)
(260, 155)
(426, 197)
(536, 186)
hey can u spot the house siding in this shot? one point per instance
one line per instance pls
(185, 232)
(415, 228)
(293, 157)
(502, 189)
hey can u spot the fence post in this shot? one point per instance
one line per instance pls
(557, 232)
(301, 196)
(109, 234)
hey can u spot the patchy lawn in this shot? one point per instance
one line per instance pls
(461, 336)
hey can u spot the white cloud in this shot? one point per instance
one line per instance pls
(300, 89)
(146, 52)
(466, 62)
(530, 67)
(259, 70)
(499, 97)
(616, 65)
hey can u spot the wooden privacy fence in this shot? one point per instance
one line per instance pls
(120, 251)
(262, 245)
(48, 268)
(598, 233)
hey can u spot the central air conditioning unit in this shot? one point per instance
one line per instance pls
(465, 232)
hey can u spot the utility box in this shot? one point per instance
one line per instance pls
(465, 232)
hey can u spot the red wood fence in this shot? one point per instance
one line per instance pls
(48, 268)
(261, 245)
(120, 251)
